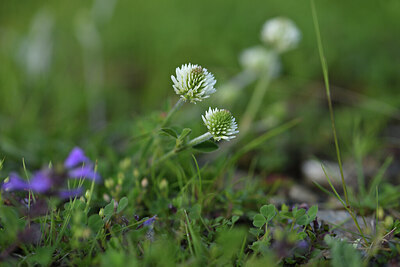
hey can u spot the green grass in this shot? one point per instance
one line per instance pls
(164, 201)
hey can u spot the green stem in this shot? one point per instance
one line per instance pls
(254, 103)
(266, 231)
(172, 111)
(199, 139)
(328, 94)
(173, 152)
(165, 157)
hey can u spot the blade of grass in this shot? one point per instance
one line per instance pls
(345, 206)
(263, 138)
(377, 210)
(323, 189)
(199, 180)
(328, 94)
(379, 176)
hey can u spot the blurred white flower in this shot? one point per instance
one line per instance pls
(220, 123)
(281, 34)
(193, 83)
(260, 61)
(36, 48)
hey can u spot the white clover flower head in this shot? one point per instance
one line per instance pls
(260, 60)
(193, 83)
(281, 34)
(220, 123)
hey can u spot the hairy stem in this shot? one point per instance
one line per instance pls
(176, 150)
(172, 111)
(199, 139)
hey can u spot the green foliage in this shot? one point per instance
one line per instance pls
(206, 147)
(170, 132)
(342, 253)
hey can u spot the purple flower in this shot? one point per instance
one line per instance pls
(148, 222)
(79, 166)
(40, 182)
(50, 182)
(15, 183)
(64, 194)
(76, 157)
(84, 172)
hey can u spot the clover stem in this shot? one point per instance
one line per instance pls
(172, 111)
(200, 139)
(266, 231)
(165, 157)
(176, 150)
(255, 103)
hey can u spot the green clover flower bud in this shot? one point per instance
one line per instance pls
(220, 123)
(193, 83)
(281, 34)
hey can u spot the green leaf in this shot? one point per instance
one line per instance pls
(185, 132)
(206, 147)
(95, 223)
(312, 212)
(256, 231)
(116, 228)
(343, 254)
(311, 235)
(299, 213)
(122, 204)
(195, 212)
(42, 256)
(268, 211)
(235, 218)
(302, 220)
(259, 220)
(301, 235)
(12, 223)
(169, 132)
(286, 214)
(109, 210)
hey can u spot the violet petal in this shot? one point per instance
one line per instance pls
(15, 183)
(84, 172)
(150, 221)
(64, 194)
(76, 157)
(41, 181)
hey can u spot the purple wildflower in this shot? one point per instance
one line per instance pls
(84, 172)
(40, 182)
(50, 182)
(64, 194)
(76, 157)
(148, 222)
(79, 166)
(15, 183)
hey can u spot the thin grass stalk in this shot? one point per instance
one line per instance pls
(345, 206)
(328, 94)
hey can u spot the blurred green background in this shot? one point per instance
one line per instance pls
(85, 72)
